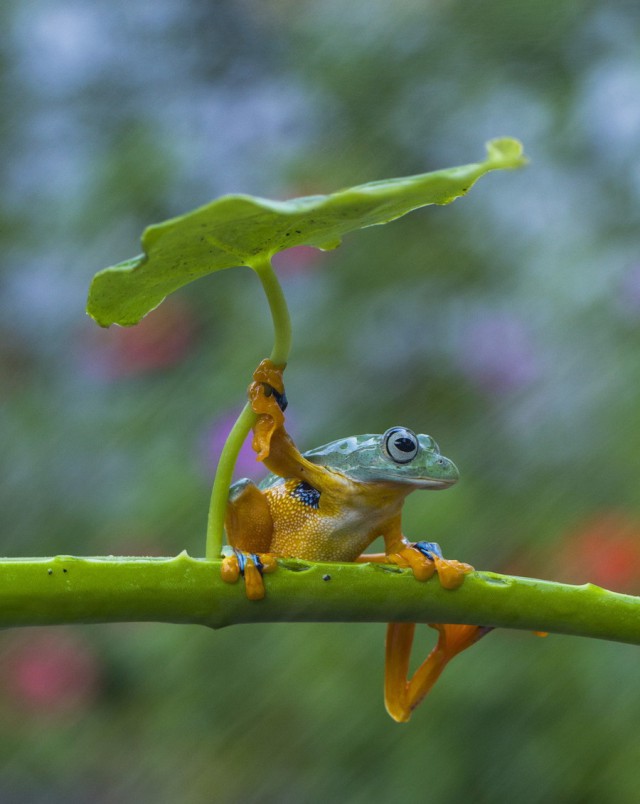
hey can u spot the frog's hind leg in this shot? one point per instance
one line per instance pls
(247, 519)
(401, 694)
(249, 530)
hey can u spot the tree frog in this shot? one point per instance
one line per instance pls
(329, 504)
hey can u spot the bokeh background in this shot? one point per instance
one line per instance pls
(506, 325)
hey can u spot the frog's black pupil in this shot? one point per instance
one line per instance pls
(404, 444)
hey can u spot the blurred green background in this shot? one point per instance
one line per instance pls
(506, 325)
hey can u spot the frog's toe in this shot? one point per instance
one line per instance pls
(270, 374)
(425, 558)
(267, 389)
(253, 583)
(451, 572)
(230, 570)
(422, 566)
(251, 566)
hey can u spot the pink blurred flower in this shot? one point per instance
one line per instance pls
(162, 339)
(51, 671)
(297, 260)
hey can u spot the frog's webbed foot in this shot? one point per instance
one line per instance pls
(401, 693)
(269, 401)
(425, 558)
(251, 566)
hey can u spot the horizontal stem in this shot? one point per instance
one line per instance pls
(68, 589)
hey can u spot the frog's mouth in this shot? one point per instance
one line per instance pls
(432, 483)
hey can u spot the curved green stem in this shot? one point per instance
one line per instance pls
(246, 420)
(222, 480)
(279, 312)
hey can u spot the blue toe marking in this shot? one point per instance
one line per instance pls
(242, 560)
(257, 562)
(429, 549)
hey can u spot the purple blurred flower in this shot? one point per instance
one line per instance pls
(496, 353)
(214, 439)
(629, 296)
(297, 260)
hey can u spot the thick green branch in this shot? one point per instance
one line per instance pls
(66, 589)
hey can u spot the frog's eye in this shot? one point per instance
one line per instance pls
(400, 444)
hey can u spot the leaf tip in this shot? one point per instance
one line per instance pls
(110, 300)
(96, 318)
(506, 152)
(329, 245)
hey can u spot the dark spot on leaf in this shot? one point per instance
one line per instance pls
(50, 571)
(326, 577)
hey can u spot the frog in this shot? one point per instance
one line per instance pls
(329, 504)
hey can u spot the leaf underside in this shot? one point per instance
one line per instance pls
(245, 230)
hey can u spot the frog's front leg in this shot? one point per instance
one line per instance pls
(251, 566)
(268, 400)
(425, 558)
(273, 445)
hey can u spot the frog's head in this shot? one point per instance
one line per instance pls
(397, 456)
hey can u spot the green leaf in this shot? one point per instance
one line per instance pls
(244, 230)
